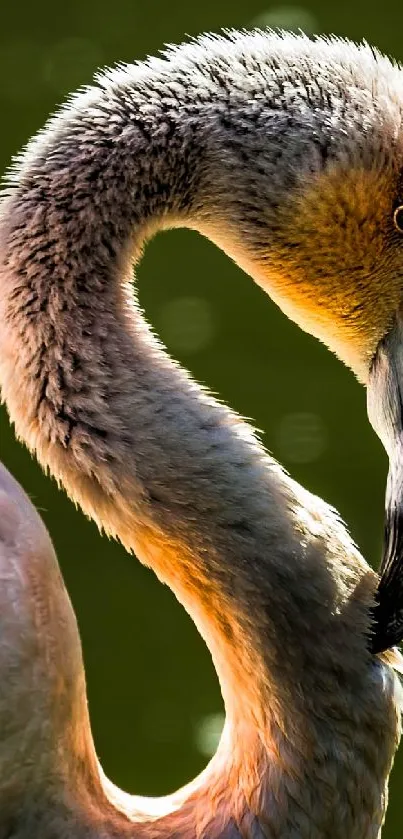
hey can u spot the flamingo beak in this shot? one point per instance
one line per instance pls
(385, 390)
(385, 412)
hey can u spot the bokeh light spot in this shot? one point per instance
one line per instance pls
(70, 63)
(301, 437)
(187, 324)
(293, 18)
(208, 733)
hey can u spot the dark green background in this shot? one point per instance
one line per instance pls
(150, 680)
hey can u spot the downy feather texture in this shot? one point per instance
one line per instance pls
(286, 152)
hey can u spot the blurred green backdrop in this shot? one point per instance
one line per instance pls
(154, 700)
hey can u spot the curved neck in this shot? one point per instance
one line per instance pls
(177, 477)
(155, 461)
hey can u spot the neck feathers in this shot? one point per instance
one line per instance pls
(268, 573)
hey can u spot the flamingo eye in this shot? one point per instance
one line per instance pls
(398, 218)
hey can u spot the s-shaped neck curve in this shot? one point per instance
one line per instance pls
(267, 572)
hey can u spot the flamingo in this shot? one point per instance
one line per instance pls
(287, 153)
